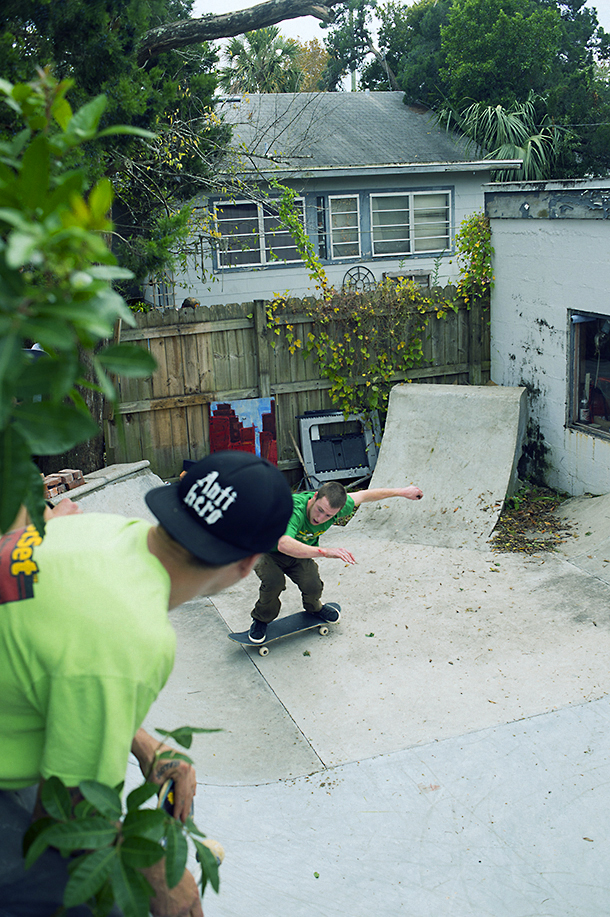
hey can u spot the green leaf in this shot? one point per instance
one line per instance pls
(148, 823)
(129, 130)
(109, 272)
(34, 831)
(56, 799)
(127, 360)
(47, 376)
(50, 429)
(140, 852)
(100, 198)
(35, 840)
(90, 834)
(192, 828)
(83, 124)
(89, 876)
(176, 852)
(184, 734)
(23, 248)
(140, 795)
(104, 381)
(50, 333)
(64, 188)
(15, 475)
(209, 866)
(106, 800)
(131, 890)
(34, 175)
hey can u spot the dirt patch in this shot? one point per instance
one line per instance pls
(528, 523)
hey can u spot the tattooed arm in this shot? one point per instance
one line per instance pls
(158, 770)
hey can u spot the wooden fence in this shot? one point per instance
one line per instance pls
(225, 353)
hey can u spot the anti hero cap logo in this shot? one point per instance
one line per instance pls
(208, 499)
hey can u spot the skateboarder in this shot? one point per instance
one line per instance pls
(294, 556)
(86, 646)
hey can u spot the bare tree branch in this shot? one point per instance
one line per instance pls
(187, 32)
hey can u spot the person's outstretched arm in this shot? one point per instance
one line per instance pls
(385, 493)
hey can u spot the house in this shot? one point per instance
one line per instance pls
(380, 187)
(550, 323)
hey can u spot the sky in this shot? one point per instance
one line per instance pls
(306, 28)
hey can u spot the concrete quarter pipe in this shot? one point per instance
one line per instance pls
(461, 445)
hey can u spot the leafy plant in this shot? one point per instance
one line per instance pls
(474, 251)
(56, 274)
(363, 343)
(109, 846)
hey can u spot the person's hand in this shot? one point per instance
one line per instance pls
(66, 507)
(340, 554)
(180, 901)
(413, 493)
(158, 769)
(184, 777)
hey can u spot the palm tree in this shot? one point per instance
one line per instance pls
(262, 61)
(517, 132)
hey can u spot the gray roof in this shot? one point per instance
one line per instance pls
(311, 132)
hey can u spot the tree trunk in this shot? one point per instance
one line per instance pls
(187, 32)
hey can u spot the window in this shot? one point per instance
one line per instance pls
(344, 227)
(405, 224)
(590, 390)
(251, 234)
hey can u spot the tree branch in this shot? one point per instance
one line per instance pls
(187, 32)
(383, 62)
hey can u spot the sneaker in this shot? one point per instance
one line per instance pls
(329, 613)
(257, 632)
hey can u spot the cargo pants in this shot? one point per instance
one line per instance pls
(272, 570)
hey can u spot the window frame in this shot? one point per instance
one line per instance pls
(331, 228)
(411, 197)
(263, 236)
(578, 318)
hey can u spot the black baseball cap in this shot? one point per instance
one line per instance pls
(227, 506)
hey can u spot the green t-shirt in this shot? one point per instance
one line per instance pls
(85, 647)
(299, 526)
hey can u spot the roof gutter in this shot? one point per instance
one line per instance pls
(396, 168)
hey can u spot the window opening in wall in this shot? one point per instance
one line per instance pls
(590, 389)
(251, 234)
(344, 227)
(404, 224)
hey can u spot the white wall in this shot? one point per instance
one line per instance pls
(230, 286)
(542, 269)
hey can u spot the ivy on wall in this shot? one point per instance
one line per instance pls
(364, 343)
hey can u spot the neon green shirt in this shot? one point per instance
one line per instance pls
(85, 647)
(299, 526)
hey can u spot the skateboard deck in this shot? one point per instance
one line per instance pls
(284, 627)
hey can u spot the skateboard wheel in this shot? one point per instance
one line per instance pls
(323, 630)
(264, 651)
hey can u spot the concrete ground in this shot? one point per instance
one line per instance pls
(444, 751)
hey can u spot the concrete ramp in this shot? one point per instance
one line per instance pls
(461, 445)
(117, 489)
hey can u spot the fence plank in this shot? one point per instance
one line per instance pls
(227, 353)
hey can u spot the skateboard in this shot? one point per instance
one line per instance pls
(284, 627)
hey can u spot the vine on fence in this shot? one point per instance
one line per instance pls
(363, 342)
(474, 251)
